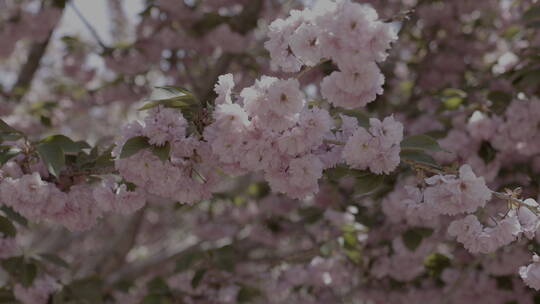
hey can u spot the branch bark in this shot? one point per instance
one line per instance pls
(116, 255)
(28, 71)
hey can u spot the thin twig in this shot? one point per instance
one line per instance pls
(92, 30)
(308, 69)
(511, 199)
(28, 71)
(334, 142)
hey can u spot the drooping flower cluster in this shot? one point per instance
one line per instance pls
(531, 273)
(77, 208)
(273, 131)
(349, 34)
(451, 195)
(39, 200)
(38, 293)
(112, 197)
(477, 238)
(376, 148)
(517, 131)
(305, 250)
(187, 175)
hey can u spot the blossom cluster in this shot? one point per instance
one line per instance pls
(349, 34)
(377, 148)
(187, 175)
(270, 127)
(423, 233)
(516, 222)
(449, 195)
(77, 209)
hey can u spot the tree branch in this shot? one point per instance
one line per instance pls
(28, 71)
(137, 269)
(89, 26)
(114, 256)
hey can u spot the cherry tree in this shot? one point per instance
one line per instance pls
(235, 151)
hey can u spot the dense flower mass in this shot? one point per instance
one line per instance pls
(531, 273)
(347, 33)
(376, 148)
(268, 151)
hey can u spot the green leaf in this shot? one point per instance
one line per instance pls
(208, 22)
(532, 14)
(310, 215)
(531, 78)
(197, 278)
(123, 285)
(59, 3)
(158, 286)
(451, 92)
(66, 143)
(452, 98)
(505, 282)
(175, 90)
(7, 153)
(178, 102)
(247, 294)
(28, 274)
(45, 120)
(499, 96)
(500, 100)
(7, 132)
(225, 257)
(511, 31)
(419, 157)
(14, 216)
(158, 292)
(412, 238)
(24, 272)
(7, 227)
(361, 117)
(5, 128)
(162, 152)
(134, 145)
(420, 143)
(452, 103)
(7, 297)
(156, 299)
(534, 24)
(86, 290)
(349, 239)
(105, 160)
(187, 260)
(54, 259)
(435, 263)
(368, 183)
(487, 152)
(53, 156)
(83, 144)
(337, 172)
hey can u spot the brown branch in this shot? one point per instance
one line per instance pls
(113, 256)
(28, 71)
(122, 245)
(135, 270)
(89, 26)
